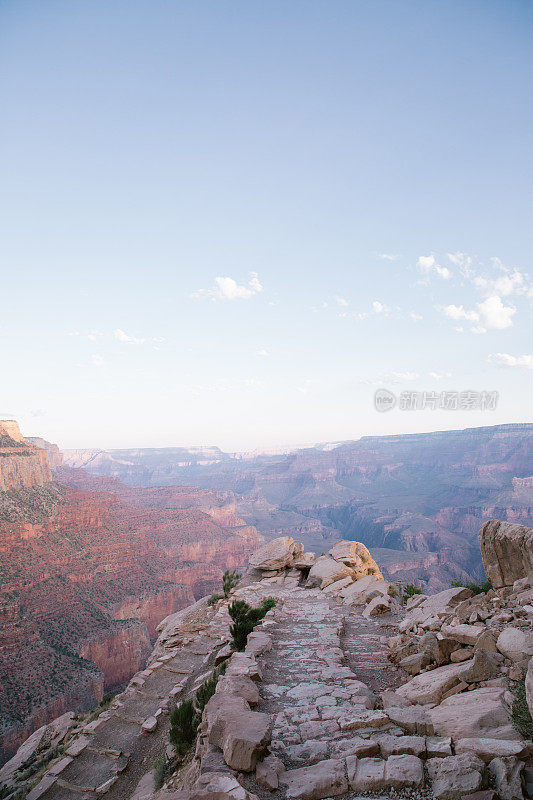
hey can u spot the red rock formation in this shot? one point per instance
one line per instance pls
(85, 578)
(21, 464)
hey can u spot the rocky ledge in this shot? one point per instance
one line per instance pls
(340, 690)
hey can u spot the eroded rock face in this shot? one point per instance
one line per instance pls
(277, 554)
(507, 552)
(357, 556)
(22, 465)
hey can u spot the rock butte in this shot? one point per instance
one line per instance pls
(318, 704)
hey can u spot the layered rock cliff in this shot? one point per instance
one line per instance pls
(420, 493)
(22, 465)
(85, 579)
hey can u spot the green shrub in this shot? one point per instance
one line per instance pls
(520, 711)
(245, 618)
(409, 590)
(207, 690)
(183, 726)
(229, 581)
(160, 771)
(475, 588)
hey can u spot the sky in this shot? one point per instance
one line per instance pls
(231, 222)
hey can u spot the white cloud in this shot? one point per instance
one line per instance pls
(490, 314)
(463, 261)
(227, 288)
(379, 308)
(122, 336)
(97, 360)
(459, 312)
(507, 360)
(439, 376)
(262, 353)
(415, 317)
(494, 314)
(511, 283)
(428, 265)
(341, 301)
(391, 378)
(389, 256)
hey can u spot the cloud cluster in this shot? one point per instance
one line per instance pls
(226, 288)
(507, 360)
(428, 265)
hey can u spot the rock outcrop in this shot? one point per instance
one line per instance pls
(507, 552)
(22, 465)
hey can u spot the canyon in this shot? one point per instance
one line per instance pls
(348, 685)
(418, 500)
(86, 575)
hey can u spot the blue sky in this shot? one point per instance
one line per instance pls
(230, 222)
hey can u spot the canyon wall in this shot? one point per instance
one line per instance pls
(85, 579)
(22, 465)
(413, 494)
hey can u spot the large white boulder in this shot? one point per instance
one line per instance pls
(515, 644)
(277, 554)
(357, 556)
(326, 570)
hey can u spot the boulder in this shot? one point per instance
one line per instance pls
(455, 777)
(434, 604)
(241, 734)
(487, 748)
(507, 775)
(515, 644)
(507, 552)
(379, 605)
(356, 555)
(239, 685)
(304, 562)
(277, 554)
(219, 786)
(326, 570)
(268, 771)
(483, 667)
(479, 713)
(464, 634)
(357, 593)
(324, 779)
(430, 687)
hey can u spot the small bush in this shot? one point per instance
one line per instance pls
(409, 590)
(229, 581)
(215, 597)
(245, 618)
(207, 690)
(520, 711)
(160, 771)
(475, 588)
(183, 726)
